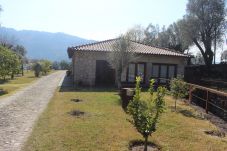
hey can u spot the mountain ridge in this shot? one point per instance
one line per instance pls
(42, 44)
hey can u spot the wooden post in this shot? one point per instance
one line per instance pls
(190, 94)
(207, 102)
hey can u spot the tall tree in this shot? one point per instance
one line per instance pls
(121, 56)
(203, 24)
(151, 34)
(170, 37)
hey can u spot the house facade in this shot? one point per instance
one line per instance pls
(91, 64)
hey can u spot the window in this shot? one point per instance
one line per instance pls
(140, 70)
(165, 71)
(123, 75)
(171, 72)
(155, 71)
(133, 70)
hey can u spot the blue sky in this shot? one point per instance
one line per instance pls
(91, 19)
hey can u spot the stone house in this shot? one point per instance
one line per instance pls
(91, 67)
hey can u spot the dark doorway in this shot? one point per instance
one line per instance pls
(105, 76)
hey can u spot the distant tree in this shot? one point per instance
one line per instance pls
(170, 37)
(145, 115)
(56, 65)
(137, 34)
(65, 65)
(203, 25)
(198, 59)
(175, 38)
(121, 56)
(21, 52)
(224, 57)
(151, 35)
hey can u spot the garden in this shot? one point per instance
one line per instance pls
(93, 119)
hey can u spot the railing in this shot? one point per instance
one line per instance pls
(212, 100)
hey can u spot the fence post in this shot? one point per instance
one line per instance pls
(190, 94)
(207, 101)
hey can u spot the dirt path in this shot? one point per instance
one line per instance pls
(19, 111)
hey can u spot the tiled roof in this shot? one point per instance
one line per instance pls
(106, 46)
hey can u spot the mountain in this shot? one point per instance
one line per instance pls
(43, 45)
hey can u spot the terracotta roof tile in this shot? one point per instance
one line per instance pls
(106, 46)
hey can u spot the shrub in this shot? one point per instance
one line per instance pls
(145, 114)
(45, 66)
(178, 89)
(37, 69)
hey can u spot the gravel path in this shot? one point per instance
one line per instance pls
(19, 111)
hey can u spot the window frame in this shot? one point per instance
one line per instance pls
(136, 71)
(167, 73)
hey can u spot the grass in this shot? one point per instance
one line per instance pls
(11, 86)
(105, 126)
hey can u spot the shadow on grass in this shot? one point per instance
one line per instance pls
(188, 113)
(137, 143)
(4, 81)
(3, 92)
(87, 89)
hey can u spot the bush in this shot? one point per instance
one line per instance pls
(37, 69)
(45, 66)
(178, 89)
(145, 114)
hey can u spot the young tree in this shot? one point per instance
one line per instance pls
(145, 115)
(203, 24)
(121, 56)
(45, 66)
(179, 89)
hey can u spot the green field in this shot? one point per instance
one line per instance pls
(10, 86)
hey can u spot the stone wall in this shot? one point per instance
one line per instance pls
(85, 65)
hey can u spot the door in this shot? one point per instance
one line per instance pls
(105, 76)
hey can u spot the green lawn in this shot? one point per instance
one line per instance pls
(10, 86)
(105, 126)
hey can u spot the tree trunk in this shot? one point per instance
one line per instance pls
(145, 143)
(207, 54)
(22, 69)
(175, 107)
(12, 76)
(118, 79)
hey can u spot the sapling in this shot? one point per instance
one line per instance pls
(145, 114)
(178, 89)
